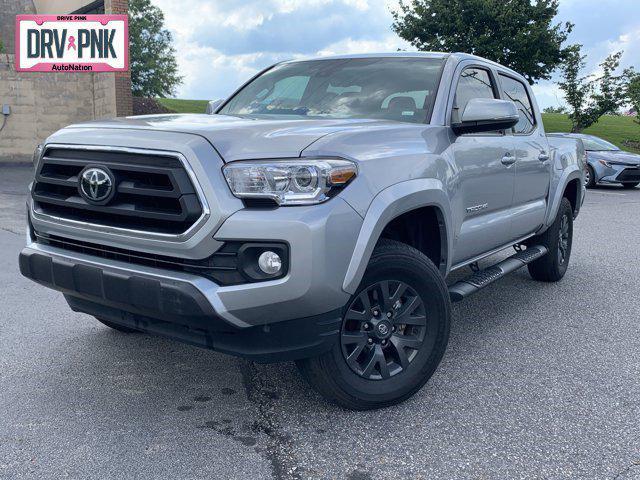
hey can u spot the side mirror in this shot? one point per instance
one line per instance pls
(487, 115)
(213, 106)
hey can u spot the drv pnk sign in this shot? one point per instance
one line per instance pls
(72, 43)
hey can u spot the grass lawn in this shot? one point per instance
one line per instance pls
(184, 106)
(613, 129)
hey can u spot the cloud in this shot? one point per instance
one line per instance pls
(549, 94)
(222, 43)
(388, 43)
(629, 43)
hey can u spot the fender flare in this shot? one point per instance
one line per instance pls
(571, 173)
(596, 169)
(387, 205)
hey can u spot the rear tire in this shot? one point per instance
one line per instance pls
(590, 177)
(394, 333)
(558, 239)
(117, 327)
(629, 186)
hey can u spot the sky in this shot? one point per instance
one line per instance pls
(222, 43)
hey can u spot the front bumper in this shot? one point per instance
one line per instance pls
(629, 175)
(296, 316)
(174, 308)
(321, 240)
(617, 173)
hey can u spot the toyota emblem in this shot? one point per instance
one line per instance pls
(96, 185)
(383, 329)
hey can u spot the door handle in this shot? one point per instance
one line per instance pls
(543, 157)
(508, 160)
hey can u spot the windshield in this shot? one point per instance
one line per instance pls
(595, 144)
(401, 89)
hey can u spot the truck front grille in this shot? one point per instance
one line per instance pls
(221, 267)
(629, 175)
(153, 191)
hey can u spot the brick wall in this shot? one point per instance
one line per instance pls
(124, 103)
(42, 103)
(117, 6)
(104, 95)
(124, 100)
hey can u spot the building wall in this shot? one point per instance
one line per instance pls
(42, 103)
(54, 7)
(8, 11)
(124, 100)
(104, 96)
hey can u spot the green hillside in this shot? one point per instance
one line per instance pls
(611, 128)
(184, 106)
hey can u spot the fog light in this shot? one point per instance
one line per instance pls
(270, 262)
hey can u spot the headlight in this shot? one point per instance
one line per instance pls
(605, 163)
(37, 153)
(289, 182)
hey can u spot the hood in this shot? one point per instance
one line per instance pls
(625, 158)
(238, 138)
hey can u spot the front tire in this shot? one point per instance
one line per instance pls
(558, 239)
(629, 186)
(394, 333)
(589, 177)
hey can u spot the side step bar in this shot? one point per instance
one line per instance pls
(482, 278)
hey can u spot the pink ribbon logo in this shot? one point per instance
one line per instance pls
(72, 43)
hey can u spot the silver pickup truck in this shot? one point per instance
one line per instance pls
(313, 216)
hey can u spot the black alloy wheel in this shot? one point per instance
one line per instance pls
(558, 239)
(395, 329)
(383, 330)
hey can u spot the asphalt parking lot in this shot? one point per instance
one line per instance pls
(539, 381)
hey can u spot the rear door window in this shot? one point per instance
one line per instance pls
(515, 91)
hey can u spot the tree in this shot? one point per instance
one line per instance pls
(154, 70)
(633, 91)
(589, 97)
(516, 33)
(558, 109)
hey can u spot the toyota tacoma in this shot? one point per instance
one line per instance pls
(313, 216)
